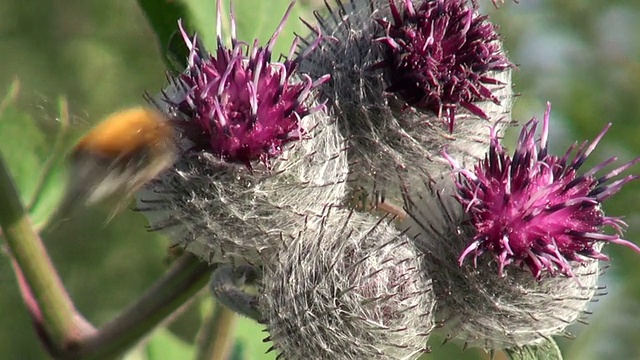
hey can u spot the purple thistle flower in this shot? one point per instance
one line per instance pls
(439, 57)
(239, 104)
(475, 304)
(534, 209)
(237, 116)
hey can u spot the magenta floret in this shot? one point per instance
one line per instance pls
(438, 56)
(534, 208)
(238, 103)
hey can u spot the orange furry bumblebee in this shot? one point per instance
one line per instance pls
(120, 154)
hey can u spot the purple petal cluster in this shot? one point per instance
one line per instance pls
(438, 56)
(533, 209)
(239, 104)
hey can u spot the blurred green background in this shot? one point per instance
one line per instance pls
(583, 56)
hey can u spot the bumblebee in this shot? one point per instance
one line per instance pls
(120, 154)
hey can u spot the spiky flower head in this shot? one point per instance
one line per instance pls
(534, 209)
(240, 104)
(475, 304)
(388, 140)
(347, 287)
(237, 115)
(440, 55)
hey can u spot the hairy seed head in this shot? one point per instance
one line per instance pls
(347, 287)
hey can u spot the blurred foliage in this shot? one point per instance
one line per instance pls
(583, 56)
(39, 175)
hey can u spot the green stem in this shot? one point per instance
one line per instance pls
(68, 333)
(217, 337)
(59, 317)
(187, 276)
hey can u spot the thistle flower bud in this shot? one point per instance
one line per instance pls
(476, 305)
(347, 287)
(534, 210)
(441, 56)
(371, 85)
(528, 214)
(256, 154)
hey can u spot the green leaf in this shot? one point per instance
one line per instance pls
(262, 28)
(238, 352)
(36, 161)
(164, 345)
(254, 19)
(548, 350)
(163, 17)
(249, 335)
(203, 16)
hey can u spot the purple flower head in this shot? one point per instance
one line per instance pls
(439, 57)
(534, 209)
(239, 104)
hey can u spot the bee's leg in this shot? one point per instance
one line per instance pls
(380, 204)
(392, 209)
(361, 200)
